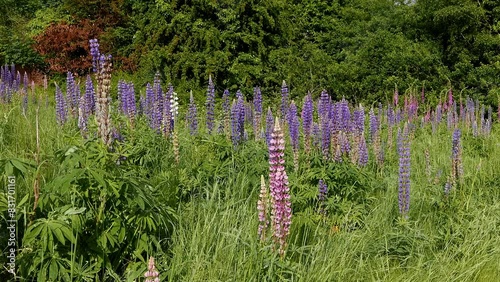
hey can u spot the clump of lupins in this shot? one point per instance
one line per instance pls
(152, 275)
(61, 108)
(281, 206)
(404, 171)
(322, 195)
(263, 205)
(257, 107)
(210, 105)
(192, 116)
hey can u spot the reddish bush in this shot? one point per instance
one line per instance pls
(65, 47)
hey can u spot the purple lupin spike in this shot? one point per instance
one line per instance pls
(269, 125)
(362, 151)
(322, 195)
(132, 108)
(374, 125)
(61, 109)
(456, 157)
(307, 120)
(192, 115)
(316, 135)
(235, 131)
(90, 94)
(122, 99)
(294, 125)
(210, 105)
(71, 95)
(94, 52)
(404, 171)
(150, 105)
(257, 107)
(284, 101)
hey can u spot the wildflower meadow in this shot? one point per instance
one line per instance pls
(123, 182)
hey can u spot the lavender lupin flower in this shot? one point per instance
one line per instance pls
(61, 109)
(192, 115)
(166, 122)
(404, 171)
(90, 94)
(307, 120)
(269, 125)
(257, 106)
(359, 120)
(71, 95)
(281, 206)
(210, 105)
(324, 105)
(83, 116)
(323, 190)
(374, 125)
(131, 107)
(122, 99)
(284, 100)
(322, 194)
(94, 52)
(362, 151)
(226, 110)
(235, 125)
(316, 134)
(456, 157)
(294, 125)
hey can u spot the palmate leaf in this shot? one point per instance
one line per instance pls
(44, 230)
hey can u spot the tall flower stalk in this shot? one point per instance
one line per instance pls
(263, 206)
(404, 171)
(210, 105)
(322, 195)
(456, 157)
(61, 109)
(307, 121)
(281, 206)
(103, 99)
(192, 116)
(257, 107)
(294, 125)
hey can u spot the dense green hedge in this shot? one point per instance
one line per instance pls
(360, 49)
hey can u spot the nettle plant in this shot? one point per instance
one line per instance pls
(97, 213)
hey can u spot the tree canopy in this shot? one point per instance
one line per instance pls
(360, 49)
